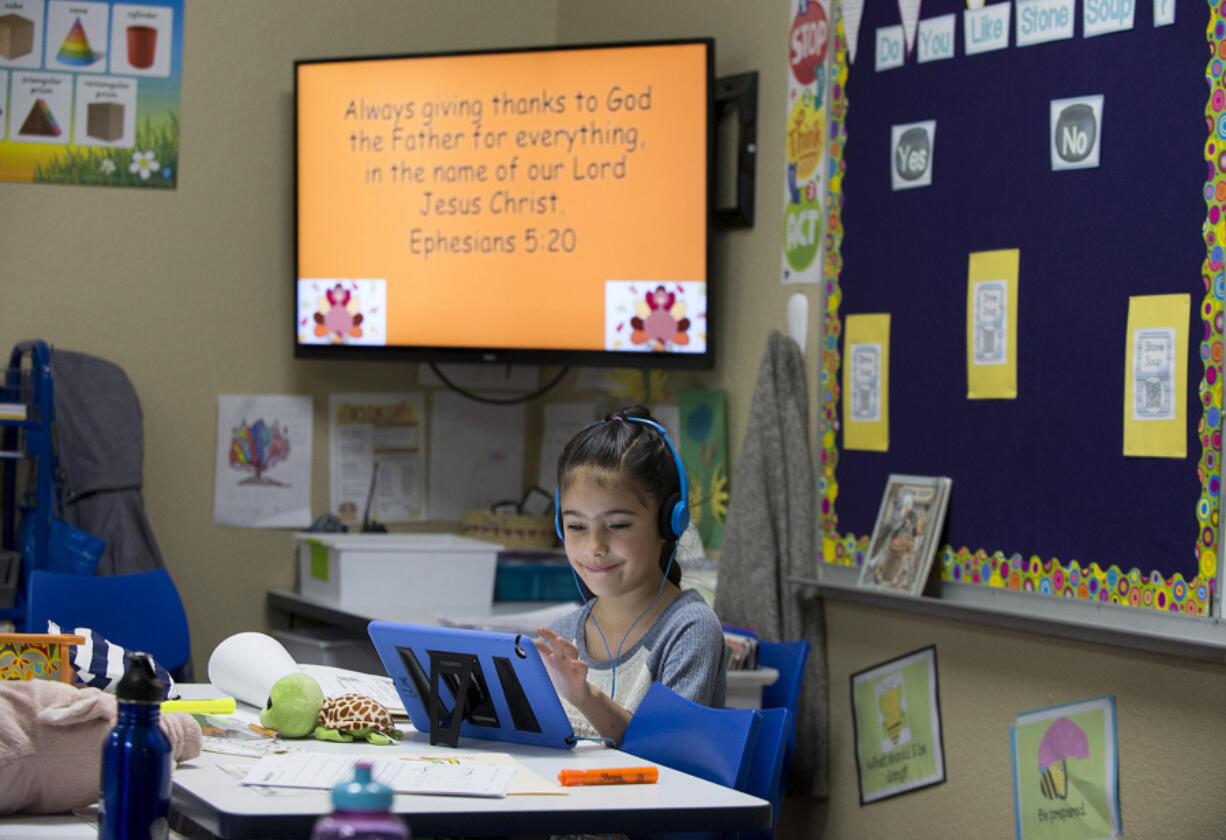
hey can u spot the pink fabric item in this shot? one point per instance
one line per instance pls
(51, 737)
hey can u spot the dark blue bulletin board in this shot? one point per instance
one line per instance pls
(1043, 497)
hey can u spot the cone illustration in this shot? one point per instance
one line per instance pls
(40, 121)
(76, 49)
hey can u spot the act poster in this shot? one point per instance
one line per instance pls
(91, 92)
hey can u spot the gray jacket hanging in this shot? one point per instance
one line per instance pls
(100, 437)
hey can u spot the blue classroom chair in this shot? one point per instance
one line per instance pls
(140, 611)
(712, 744)
(788, 658)
(767, 772)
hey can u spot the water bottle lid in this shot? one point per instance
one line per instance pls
(140, 683)
(362, 793)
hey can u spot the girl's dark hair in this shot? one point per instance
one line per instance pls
(637, 452)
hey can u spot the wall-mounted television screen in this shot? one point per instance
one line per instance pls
(546, 205)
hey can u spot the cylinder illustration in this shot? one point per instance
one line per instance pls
(142, 45)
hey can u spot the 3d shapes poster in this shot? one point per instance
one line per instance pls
(897, 715)
(1066, 772)
(92, 92)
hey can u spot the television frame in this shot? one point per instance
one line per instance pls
(516, 355)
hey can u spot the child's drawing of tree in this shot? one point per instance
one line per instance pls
(257, 448)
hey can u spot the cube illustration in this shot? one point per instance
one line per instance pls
(16, 36)
(104, 120)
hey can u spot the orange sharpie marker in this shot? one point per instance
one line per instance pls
(609, 776)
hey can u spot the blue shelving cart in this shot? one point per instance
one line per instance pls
(27, 450)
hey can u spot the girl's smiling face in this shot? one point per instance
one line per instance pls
(612, 534)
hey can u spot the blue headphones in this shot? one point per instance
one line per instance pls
(675, 510)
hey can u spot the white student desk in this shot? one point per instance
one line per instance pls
(216, 802)
(207, 792)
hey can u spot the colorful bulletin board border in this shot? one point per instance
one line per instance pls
(1035, 574)
(896, 715)
(92, 92)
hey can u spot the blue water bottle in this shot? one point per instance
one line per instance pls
(136, 760)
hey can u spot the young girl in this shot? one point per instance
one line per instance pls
(618, 485)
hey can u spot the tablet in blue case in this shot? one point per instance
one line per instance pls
(506, 692)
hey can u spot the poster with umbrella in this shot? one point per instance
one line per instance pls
(1066, 772)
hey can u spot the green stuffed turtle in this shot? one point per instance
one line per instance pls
(297, 707)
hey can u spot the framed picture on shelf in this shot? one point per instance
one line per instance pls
(906, 534)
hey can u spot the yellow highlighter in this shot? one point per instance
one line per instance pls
(216, 706)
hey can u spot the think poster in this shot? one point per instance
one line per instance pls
(866, 382)
(1066, 772)
(897, 716)
(991, 325)
(1156, 376)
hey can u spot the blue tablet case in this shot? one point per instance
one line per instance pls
(507, 694)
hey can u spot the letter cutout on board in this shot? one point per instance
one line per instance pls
(1156, 376)
(991, 325)
(866, 382)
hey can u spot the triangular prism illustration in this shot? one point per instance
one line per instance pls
(76, 49)
(909, 11)
(40, 121)
(853, 10)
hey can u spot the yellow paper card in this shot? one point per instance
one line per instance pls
(991, 325)
(866, 382)
(1156, 376)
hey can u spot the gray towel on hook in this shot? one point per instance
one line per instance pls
(771, 534)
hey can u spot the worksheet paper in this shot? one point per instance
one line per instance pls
(323, 771)
(334, 682)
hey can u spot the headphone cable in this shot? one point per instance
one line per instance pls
(588, 613)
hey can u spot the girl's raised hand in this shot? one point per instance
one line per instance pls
(567, 671)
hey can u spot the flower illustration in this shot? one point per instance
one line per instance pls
(143, 163)
(107, 166)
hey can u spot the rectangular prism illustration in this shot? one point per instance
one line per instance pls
(16, 36)
(104, 120)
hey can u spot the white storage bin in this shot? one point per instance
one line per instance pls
(331, 646)
(363, 571)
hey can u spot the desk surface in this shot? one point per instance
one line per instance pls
(207, 791)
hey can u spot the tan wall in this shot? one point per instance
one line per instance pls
(189, 291)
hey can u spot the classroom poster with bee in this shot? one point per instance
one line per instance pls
(897, 713)
(1066, 772)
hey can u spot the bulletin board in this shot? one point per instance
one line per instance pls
(1043, 497)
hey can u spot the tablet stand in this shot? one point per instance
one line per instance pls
(457, 671)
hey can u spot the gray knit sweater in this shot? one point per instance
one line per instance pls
(684, 649)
